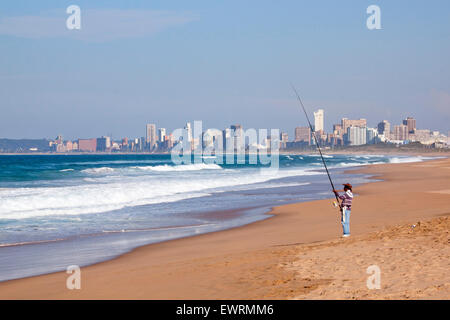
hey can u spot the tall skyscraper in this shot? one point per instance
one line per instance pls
(371, 135)
(161, 134)
(227, 137)
(410, 123)
(356, 136)
(103, 143)
(238, 133)
(150, 135)
(124, 143)
(318, 120)
(284, 139)
(170, 141)
(188, 127)
(401, 132)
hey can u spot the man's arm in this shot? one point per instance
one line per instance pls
(342, 197)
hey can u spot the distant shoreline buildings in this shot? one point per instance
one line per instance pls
(356, 133)
(349, 132)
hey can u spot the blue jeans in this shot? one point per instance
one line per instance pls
(345, 220)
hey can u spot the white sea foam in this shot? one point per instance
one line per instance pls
(349, 164)
(107, 193)
(106, 188)
(318, 155)
(408, 159)
(100, 170)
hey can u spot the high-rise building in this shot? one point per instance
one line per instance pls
(89, 145)
(356, 136)
(161, 134)
(170, 141)
(346, 123)
(303, 134)
(150, 136)
(227, 136)
(335, 140)
(236, 127)
(239, 143)
(103, 143)
(401, 132)
(384, 128)
(410, 123)
(125, 143)
(140, 144)
(338, 131)
(371, 135)
(318, 120)
(188, 127)
(212, 138)
(59, 139)
(284, 139)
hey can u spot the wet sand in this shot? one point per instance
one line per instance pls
(297, 254)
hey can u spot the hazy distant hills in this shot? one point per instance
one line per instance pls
(24, 145)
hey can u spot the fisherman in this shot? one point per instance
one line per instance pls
(347, 197)
(346, 207)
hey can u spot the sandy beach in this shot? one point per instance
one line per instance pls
(401, 224)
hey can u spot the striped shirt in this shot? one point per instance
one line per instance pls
(347, 198)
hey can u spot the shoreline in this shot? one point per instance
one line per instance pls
(238, 212)
(199, 250)
(106, 237)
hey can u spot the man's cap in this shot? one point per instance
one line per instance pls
(348, 185)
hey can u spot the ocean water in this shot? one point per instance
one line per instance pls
(61, 210)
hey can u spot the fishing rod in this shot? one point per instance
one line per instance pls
(315, 139)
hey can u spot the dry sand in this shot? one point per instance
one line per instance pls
(413, 262)
(297, 254)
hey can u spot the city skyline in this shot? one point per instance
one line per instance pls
(348, 132)
(155, 133)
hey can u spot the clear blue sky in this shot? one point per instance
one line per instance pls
(223, 62)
